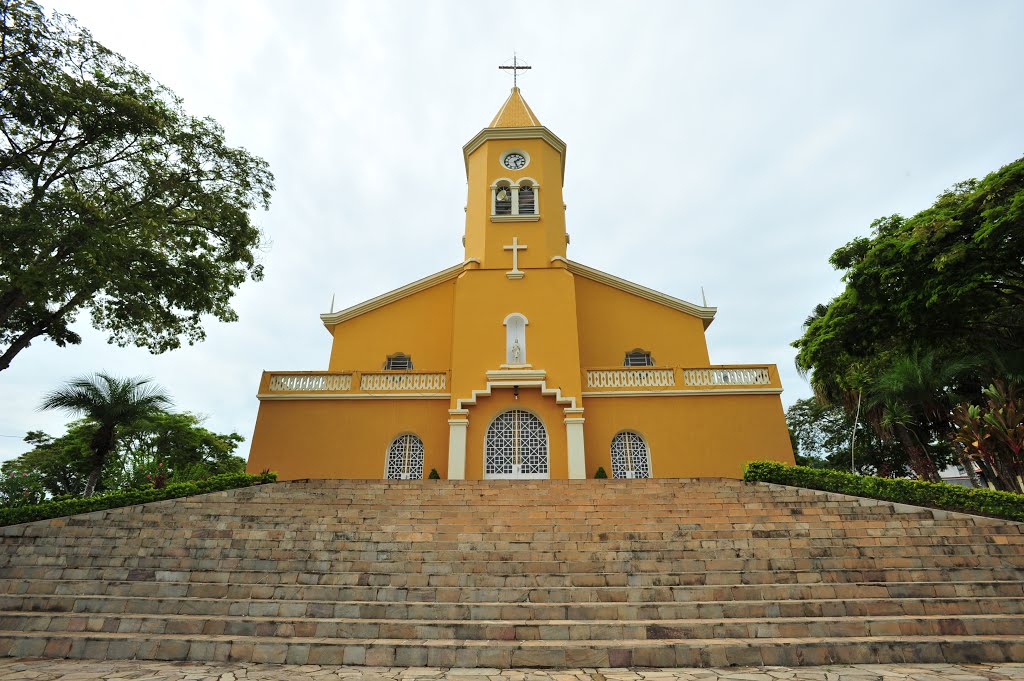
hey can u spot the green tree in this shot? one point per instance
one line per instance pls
(62, 463)
(113, 199)
(178, 444)
(111, 403)
(821, 435)
(936, 286)
(913, 397)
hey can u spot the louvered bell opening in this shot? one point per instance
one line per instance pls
(503, 201)
(527, 201)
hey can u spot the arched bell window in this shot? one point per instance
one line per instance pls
(527, 199)
(503, 198)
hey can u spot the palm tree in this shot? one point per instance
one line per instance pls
(915, 393)
(110, 402)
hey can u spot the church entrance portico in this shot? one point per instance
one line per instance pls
(516, 447)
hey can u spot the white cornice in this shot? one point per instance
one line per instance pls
(331, 318)
(706, 314)
(515, 218)
(534, 132)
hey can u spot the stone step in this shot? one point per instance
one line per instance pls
(562, 594)
(544, 573)
(508, 654)
(308, 608)
(28, 565)
(522, 579)
(519, 630)
(632, 550)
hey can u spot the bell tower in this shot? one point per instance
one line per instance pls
(515, 215)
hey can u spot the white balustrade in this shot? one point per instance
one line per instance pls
(404, 382)
(737, 376)
(631, 378)
(310, 382)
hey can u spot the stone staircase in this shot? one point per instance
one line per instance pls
(588, 573)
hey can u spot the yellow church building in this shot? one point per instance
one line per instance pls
(518, 362)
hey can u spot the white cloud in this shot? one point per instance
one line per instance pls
(729, 145)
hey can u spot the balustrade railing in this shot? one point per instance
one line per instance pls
(677, 378)
(353, 382)
(310, 382)
(434, 382)
(630, 378)
(730, 376)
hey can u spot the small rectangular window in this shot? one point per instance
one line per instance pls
(398, 362)
(638, 358)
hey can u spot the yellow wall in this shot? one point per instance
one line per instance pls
(690, 436)
(613, 322)
(416, 325)
(481, 415)
(544, 238)
(344, 438)
(484, 298)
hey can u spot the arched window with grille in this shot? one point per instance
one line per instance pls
(398, 362)
(527, 199)
(503, 198)
(405, 458)
(516, 446)
(630, 456)
(638, 357)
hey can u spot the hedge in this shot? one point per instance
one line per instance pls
(101, 502)
(948, 497)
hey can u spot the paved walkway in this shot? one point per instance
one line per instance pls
(81, 670)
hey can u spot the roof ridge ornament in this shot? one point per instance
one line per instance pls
(515, 67)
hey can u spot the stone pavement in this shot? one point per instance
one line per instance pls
(38, 669)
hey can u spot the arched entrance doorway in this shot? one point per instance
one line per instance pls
(516, 447)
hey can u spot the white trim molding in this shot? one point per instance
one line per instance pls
(533, 132)
(331, 318)
(706, 314)
(517, 374)
(491, 385)
(515, 218)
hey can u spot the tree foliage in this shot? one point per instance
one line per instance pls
(821, 436)
(177, 444)
(112, 404)
(113, 199)
(932, 306)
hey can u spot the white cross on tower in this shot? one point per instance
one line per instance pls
(516, 273)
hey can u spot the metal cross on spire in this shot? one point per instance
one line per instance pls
(516, 67)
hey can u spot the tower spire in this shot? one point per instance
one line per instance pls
(516, 67)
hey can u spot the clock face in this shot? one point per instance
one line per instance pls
(514, 161)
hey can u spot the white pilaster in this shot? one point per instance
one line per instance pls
(574, 438)
(457, 446)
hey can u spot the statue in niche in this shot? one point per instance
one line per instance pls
(516, 352)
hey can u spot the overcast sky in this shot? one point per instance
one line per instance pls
(725, 145)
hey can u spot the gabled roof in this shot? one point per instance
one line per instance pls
(515, 113)
(331, 318)
(706, 314)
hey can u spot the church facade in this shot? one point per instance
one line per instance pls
(518, 362)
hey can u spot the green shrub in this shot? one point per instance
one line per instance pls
(985, 502)
(433, 475)
(101, 502)
(600, 474)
